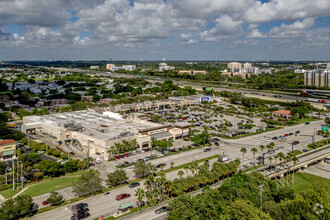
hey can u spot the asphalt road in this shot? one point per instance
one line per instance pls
(107, 205)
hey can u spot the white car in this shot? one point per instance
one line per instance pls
(160, 155)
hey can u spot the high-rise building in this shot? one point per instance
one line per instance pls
(247, 65)
(234, 65)
(318, 78)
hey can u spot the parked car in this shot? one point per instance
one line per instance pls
(126, 155)
(117, 157)
(286, 135)
(216, 144)
(290, 134)
(122, 156)
(106, 193)
(80, 206)
(207, 149)
(80, 216)
(295, 142)
(123, 196)
(160, 155)
(146, 158)
(305, 150)
(161, 210)
(134, 184)
(45, 202)
(307, 123)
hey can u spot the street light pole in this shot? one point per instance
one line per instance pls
(22, 174)
(260, 195)
(13, 175)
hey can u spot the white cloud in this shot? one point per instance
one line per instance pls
(255, 33)
(286, 10)
(294, 30)
(225, 27)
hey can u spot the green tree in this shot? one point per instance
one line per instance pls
(142, 169)
(117, 178)
(254, 151)
(180, 173)
(70, 166)
(243, 151)
(16, 208)
(55, 198)
(140, 195)
(3, 166)
(89, 182)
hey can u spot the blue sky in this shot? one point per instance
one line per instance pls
(171, 29)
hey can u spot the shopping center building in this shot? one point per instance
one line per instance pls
(91, 132)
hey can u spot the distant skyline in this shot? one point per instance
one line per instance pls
(295, 30)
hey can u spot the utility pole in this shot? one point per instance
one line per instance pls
(314, 136)
(260, 195)
(13, 175)
(292, 147)
(22, 174)
(17, 175)
(6, 176)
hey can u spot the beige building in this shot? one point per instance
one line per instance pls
(93, 133)
(192, 72)
(234, 65)
(318, 78)
(247, 65)
(110, 66)
(7, 149)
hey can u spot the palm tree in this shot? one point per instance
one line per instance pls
(172, 164)
(254, 151)
(169, 187)
(180, 173)
(149, 196)
(270, 161)
(152, 202)
(262, 147)
(149, 181)
(187, 167)
(140, 195)
(156, 193)
(243, 151)
(113, 151)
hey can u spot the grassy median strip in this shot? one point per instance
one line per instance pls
(183, 165)
(244, 135)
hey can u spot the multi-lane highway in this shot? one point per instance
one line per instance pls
(106, 205)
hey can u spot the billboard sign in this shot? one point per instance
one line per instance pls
(324, 128)
(205, 99)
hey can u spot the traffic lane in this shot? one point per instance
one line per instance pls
(66, 193)
(321, 169)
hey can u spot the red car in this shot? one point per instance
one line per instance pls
(118, 157)
(286, 135)
(126, 155)
(123, 196)
(45, 202)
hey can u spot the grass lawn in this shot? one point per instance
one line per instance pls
(51, 185)
(297, 152)
(304, 181)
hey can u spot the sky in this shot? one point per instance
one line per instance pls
(165, 29)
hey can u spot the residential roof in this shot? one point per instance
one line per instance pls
(283, 112)
(7, 141)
